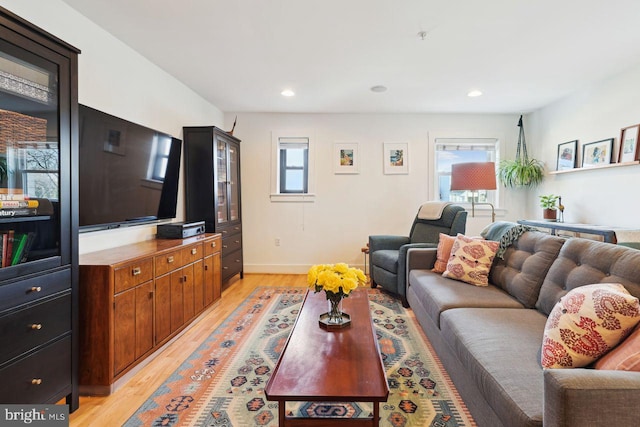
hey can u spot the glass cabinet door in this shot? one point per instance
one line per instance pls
(234, 196)
(223, 202)
(29, 157)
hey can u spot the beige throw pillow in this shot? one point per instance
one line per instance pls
(471, 260)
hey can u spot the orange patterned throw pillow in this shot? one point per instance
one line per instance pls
(586, 323)
(445, 243)
(471, 260)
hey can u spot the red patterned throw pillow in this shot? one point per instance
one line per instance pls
(471, 260)
(586, 323)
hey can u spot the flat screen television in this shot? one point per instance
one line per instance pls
(128, 173)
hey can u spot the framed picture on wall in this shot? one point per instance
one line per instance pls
(346, 158)
(597, 153)
(396, 158)
(567, 158)
(628, 150)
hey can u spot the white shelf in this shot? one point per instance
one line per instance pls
(610, 165)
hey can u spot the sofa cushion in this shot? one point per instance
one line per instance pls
(586, 323)
(438, 294)
(625, 357)
(524, 264)
(386, 259)
(584, 262)
(471, 260)
(500, 348)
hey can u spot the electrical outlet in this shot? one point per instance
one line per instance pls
(277, 241)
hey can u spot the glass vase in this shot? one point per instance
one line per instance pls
(335, 311)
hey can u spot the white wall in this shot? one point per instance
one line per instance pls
(348, 208)
(115, 79)
(604, 196)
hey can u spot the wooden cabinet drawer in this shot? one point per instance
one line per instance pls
(133, 274)
(40, 376)
(168, 262)
(34, 326)
(231, 264)
(34, 288)
(229, 230)
(192, 253)
(231, 243)
(212, 246)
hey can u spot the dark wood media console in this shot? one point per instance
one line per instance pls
(135, 298)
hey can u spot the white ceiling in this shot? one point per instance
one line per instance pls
(240, 54)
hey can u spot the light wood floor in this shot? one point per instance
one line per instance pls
(115, 409)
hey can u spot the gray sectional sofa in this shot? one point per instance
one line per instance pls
(489, 338)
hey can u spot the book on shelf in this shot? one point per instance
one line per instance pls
(22, 208)
(22, 243)
(11, 197)
(11, 191)
(13, 204)
(11, 213)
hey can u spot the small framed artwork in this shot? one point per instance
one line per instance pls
(567, 158)
(597, 153)
(396, 158)
(628, 150)
(346, 158)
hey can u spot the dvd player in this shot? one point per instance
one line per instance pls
(180, 230)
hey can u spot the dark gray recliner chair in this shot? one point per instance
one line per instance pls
(388, 254)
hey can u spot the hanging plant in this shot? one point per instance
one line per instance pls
(521, 172)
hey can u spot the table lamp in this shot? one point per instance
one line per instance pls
(473, 177)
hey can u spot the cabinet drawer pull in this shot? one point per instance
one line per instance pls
(170, 259)
(236, 228)
(36, 381)
(36, 289)
(213, 244)
(225, 268)
(184, 278)
(136, 271)
(237, 241)
(206, 268)
(36, 326)
(224, 246)
(194, 251)
(237, 260)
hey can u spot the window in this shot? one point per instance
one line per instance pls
(292, 170)
(294, 165)
(449, 151)
(39, 164)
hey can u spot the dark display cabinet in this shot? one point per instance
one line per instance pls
(212, 174)
(38, 215)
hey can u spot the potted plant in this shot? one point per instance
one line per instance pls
(521, 172)
(548, 205)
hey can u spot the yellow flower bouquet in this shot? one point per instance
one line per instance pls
(337, 280)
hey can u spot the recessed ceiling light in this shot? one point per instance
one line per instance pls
(378, 88)
(474, 93)
(287, 92)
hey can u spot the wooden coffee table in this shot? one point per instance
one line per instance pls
(330, 366)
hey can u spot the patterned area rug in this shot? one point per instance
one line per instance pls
(222, 383)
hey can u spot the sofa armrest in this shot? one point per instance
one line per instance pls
(421, 258)
(580, 397)
(386, 242)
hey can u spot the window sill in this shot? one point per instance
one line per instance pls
(293, 198)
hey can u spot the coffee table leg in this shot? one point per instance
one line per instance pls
(376, 414)
(281, 413)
